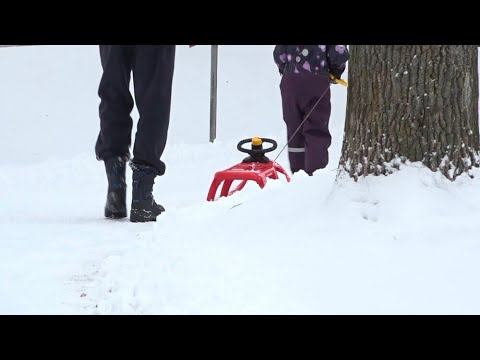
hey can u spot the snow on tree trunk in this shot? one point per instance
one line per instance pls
(411, 102)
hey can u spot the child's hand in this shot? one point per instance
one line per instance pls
(335, 74)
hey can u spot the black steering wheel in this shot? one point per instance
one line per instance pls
(257, 151)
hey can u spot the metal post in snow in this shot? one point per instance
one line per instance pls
(213, 93)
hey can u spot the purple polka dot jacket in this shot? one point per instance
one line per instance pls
(315, 59)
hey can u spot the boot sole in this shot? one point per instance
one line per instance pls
(115, 214)
(142, 218)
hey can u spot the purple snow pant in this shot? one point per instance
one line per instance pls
(308, 149)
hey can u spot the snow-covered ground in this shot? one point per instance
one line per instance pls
(403, 244)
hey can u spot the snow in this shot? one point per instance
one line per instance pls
(402, 244)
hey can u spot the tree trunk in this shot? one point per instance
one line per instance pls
(411, 102)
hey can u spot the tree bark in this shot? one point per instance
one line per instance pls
(411, 102)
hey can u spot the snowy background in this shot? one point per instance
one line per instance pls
(405, 244)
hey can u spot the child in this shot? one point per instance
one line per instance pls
(305, 77)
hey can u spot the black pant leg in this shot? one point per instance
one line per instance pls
(116, 102)
(153, 69)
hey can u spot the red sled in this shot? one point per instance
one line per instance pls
(257, 167)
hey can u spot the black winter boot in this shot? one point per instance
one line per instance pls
(116, 206)
(144, 208)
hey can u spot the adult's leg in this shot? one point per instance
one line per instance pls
(116, 102)
(153, 70)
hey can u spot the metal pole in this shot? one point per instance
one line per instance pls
(213, 94)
